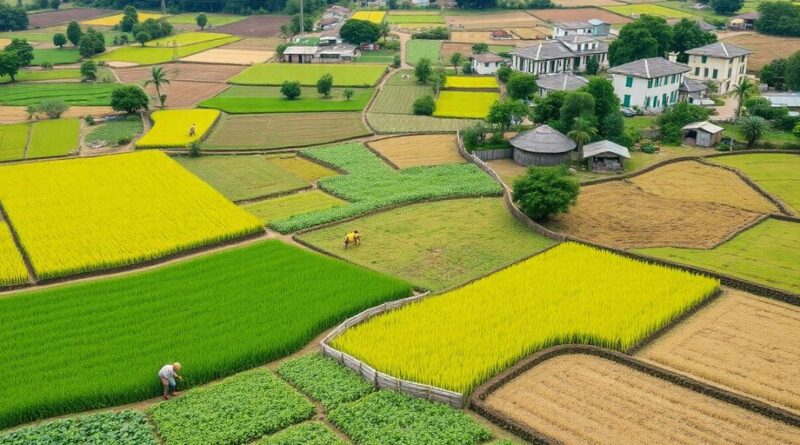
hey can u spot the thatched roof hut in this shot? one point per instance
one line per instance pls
(543, 145)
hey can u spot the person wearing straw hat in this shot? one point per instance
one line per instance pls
(167, 375)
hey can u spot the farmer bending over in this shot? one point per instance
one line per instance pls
(191, 130)
(167, 375)
(353, 238)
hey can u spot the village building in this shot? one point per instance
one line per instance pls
(648, 84)
(703, 25)
(605, 156)
(543, 145)
(330, 37)
(702, 134)
(321, 54)
(559, 82)
(565, 54)
(330, 23)
(486, 64)
(591, 28)
(788, 100)
(694, 92)
(744, 21)
(337, 12)
(721, 62)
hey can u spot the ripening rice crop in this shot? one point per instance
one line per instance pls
(115, 19)
(478, 82)
(12, 269)
(569, 294)
(98, 213)
(464, 104)
(171, 128)
(370, 16)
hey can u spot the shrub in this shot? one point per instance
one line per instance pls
(521, 86)
(89, 70)
(129, 98)
(324, 84)
(53, 108)
(504, 73)
(291, 89)
(59, 39)
(545, 191)
(425, 106)
(397, 61)
(89, 119)
(194, 149)
(46, 66)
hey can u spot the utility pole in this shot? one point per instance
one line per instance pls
(302, 22)
(164, 7)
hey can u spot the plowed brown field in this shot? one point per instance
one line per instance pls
(182, 71)
(583, 399)
(186, 94)
(742, 342)
(411, 151)
(578, 15)
(62, 16)
(255, 26)
(511, 19)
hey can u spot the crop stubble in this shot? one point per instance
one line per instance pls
(411, 151)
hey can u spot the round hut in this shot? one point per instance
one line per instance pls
(543, 145)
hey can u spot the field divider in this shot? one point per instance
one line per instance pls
(32, 278)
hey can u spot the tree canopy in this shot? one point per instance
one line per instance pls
(648, 36)
(12, 18)
(726, 7)
(545, 191)
(360, 31)
(780, 18)
(686, 34)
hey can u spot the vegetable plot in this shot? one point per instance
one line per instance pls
(118, 428)
(459, 339)
(324, 380)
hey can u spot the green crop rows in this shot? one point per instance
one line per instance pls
(324, 380)
(255, 99)
(273, 299)
(311, 433)
(120, 428)
(238, 410)
(33, 76)
(398, 123)
(71, 93)
(418, 49)
(371, 184)
(53, 138)
(308, 74)
(56, 56)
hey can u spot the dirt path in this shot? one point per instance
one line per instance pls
(404, 38)
(727, 111)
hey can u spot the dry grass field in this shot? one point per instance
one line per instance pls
(583, 399)
(623, 215)
(18, 114)
(412, 151)
(181, 71)
(537, 33)
(255, 26)
(741, 342)
(579, 14)
(767, 48)
(694, 181)
(508, 170)
(256, 43)
(230, 56)
(580, 3)
(493, 21)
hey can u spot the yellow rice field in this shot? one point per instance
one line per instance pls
(465, 104)
(571, 293)
(12, 269)
(115, 19)
(370, 16)
(481, 82)
(171, 128)
(111, 211)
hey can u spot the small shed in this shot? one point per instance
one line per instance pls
(543, 145)
(702, 134)
(486, 64)
(299, 54)
(605, 156)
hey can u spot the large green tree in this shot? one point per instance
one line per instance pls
(793, 72)
(521, 86)
(74, 33)
(576, 104)
(9, 64)
(545, 191)
(726, 7)
(129, 98)
(606, 101)
(686, 34)
(23, 49)
(648, 36)
(548, 108)
(774, 74)
(359, 31)
(505, 113)
(12, 18)
(779, 18)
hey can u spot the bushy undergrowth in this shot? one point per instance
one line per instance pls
(391, 418)
(324, 380)
(238, 410)
(311, 433)
(120, 428)
(371, 184)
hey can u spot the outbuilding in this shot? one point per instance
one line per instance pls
(486, 64)
(543, 145)
(702, 134)
(605, 156)
(299, 54)
(559, 82)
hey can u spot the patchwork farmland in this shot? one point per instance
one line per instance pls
(227, 227)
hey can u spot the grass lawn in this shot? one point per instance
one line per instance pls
(114, 131)
(55, 56)
(464, 104)
(152, 56)
(71, 93)
(649, 9)
(241, 99)
(436, 245)
(381, 56)
(396, 123)
(13, 140)
(776, 173)
(186, 39)
(55, 137)
(768, 253)
(308, 74)
(33, 76)
(417, 49)
(291, 205)
(222, 313)
(213, 18)
(242, 177)
(772, 135)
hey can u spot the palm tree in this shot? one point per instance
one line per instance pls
(753, 128)
(745, 90)
(582, 133)
(158, 77)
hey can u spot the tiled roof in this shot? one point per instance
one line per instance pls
(650, 68)
(720, 49)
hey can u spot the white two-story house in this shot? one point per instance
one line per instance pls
(591, 28)
(568, 54)
(720, 62)
(650, 84)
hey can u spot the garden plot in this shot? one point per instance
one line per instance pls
(12, 268)
(396, 123)
(119, 428)
(538, 33)
(24, 94)
(62, 16)
(416, 150)
(230, 56)
(634, 11)
(364, 170)
(583, 399)
(473, 37)
(458, 339)
(768, 253)
(170, 313)
(370, 16)
(435, 245)
(363, 75)
(255, 26)
(399, 93)
(154, 55)
(472, 105)
(114, 132)
(243, 177)
(240, 99)
(183, 94)
(115, 19)
(492, 21)
(417, 49)
(171, 128)
(579, 15)
(465, 49)
(287, 206)
(774, 172)
(742, 342)
(311, 433)
(765, 48)
(174, 211)
(181, 71)
(254, 131)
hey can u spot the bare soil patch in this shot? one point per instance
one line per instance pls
(583, 399)
(694, 181)
(182, 94)
(256, 43)
(230, 56)
(742, 342)
(579, 15)
(412, 151)
(18, 114)
(766, 48)
(62, 16)
(579, 3)
(623, 215)
(508, 170)
(182, 71)
(537, 33)
(511, 19)
(255, 26)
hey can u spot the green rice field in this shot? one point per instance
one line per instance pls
(33, 76)
(186, 39)
(401, 19)
(362, 75)
(99, 343)
(13, 140)
(152, 56)
(649, 9)
(56, 56)
(774, 172)
(418, 49)
(291, 205)
(55, 137)
(240, 99)
(71, 93)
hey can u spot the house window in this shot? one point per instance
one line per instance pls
(714, 75)
(697, 71)
(647, 102)
(664, 100)
(655, 102)
(705, 72)
(743, 58)
(730, 72)
(705, 58)
(649, 83)
(626, 101)
(629, 81)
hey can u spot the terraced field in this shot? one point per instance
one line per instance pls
(255, 99)
(71, 93)
(773, 172)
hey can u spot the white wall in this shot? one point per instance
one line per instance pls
(639, 92)
(482, 68)
(703, 72)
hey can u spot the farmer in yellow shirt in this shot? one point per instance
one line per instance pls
(353, 238)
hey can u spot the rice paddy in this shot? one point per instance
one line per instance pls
(173, 128)
(362, 75)
(474, 105)
(82, 94)
(240, 99)
(370, 16)
(774, 172)
(115, 19)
